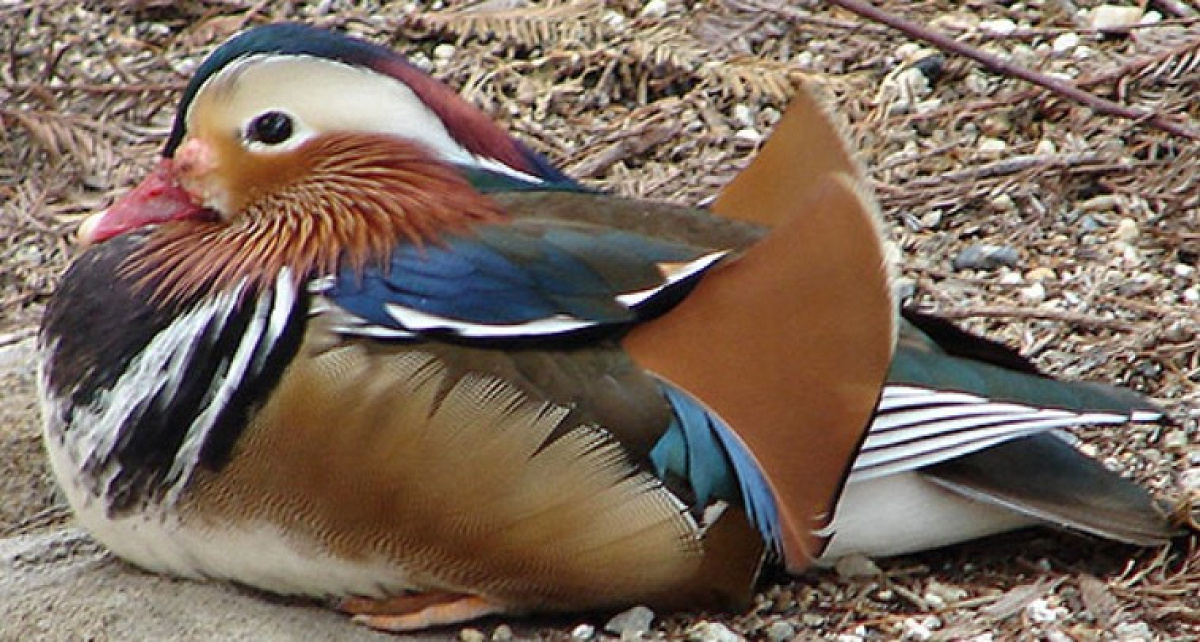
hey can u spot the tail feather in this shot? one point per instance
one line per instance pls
(1045, 477)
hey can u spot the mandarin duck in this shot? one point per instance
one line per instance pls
(350, 340)
(967, 439)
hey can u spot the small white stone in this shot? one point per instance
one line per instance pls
(444, 51)
(421, 61)
(1133, 630)
(1035, 293)
(1176, 439)
(705, 631)
(748, 135)
(780, 631)
(654, 9)
(999, 27)
(1065, 42)
(947, 592)
(849, 637)
(503, 633)
(1192, 295)
(583, 632)
(632, 622)
(743, 115)
(906, 51)
(1040, 612)
(1127, 230)
(992, 146)
(471, 635)
(613, 18)
(1002, 203)
(1183, 270)
(1151, 18)
(1108, 17)
(934, 601)
(1011, 278)
(916, 631)
(1054, 635)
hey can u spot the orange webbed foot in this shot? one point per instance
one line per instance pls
(417, 611)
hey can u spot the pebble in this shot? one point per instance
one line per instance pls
(985, 256)
(614, 19)
(1003, 203)
(916, 630)
(421, 61)
(947, 592)
(780, 631)
(705, 631)
(1183, 270)
(999, 27)
(1009, 277)
(503, 633)
(444, 51)
(1127, 230)
(1132, 631)
(1034, 293)
(856, 565)
(1040, 612)
(1109, 17)
(654, 9)
(931, 66)
(1178, 331)
(583, 632)
(743, 115)
(1192, 295)
(748, 135)
(1065, 43)
(992, 146)
(632, 622)
(471, 635)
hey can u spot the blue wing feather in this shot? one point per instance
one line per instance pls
(702, 449)
(526, 278)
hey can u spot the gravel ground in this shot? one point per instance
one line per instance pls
(1091, 223)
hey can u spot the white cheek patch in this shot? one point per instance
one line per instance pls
(323, 96)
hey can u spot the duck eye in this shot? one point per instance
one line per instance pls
(270, 128)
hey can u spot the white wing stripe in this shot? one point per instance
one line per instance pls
(916, 427)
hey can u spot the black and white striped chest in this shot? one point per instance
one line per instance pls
(137, 394)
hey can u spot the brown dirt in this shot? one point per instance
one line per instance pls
(662, 100)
